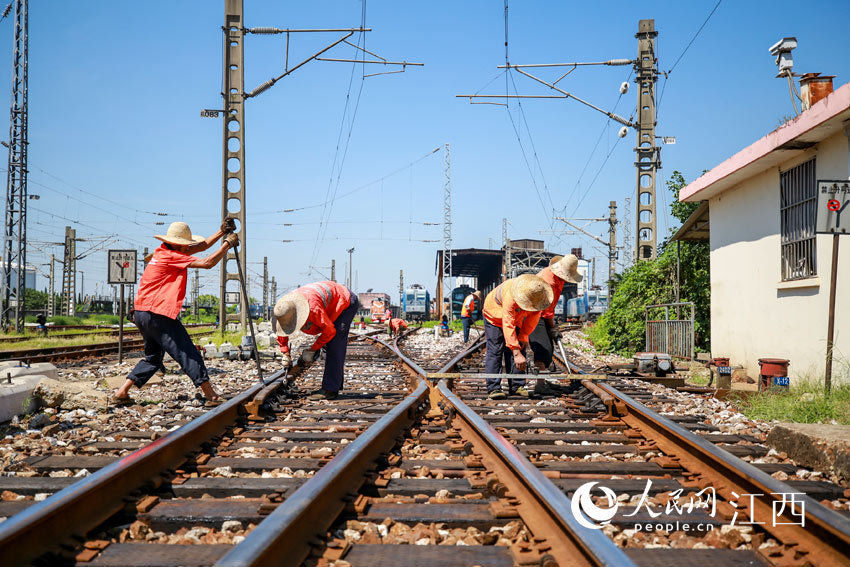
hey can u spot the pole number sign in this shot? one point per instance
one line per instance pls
(122, 267)
(231, 297)
(833, 210)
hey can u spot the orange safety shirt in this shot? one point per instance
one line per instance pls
(468, 309)
(327, 301)
(396, 324)
(162, 288)
(548, 276)
(501, 310)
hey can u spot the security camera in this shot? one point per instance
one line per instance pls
(782, 50)
(624, 88)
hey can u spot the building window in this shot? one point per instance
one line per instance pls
(797, 210)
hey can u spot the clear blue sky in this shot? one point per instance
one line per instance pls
(115, 133)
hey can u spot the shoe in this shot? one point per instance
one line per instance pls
(214, 403)
(497, 395)
(542, 388)
(122, 402)
(323, 395)
(522, 391)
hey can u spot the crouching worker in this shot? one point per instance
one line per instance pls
(546, 336)
(325, 309)
(395, 325)
(158, 302)
(511, 311)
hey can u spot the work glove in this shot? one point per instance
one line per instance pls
(555, 335)
(232, 240)
(286, 360)
(307, 356)
(228, 226)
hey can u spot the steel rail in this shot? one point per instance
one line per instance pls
(85, 504)
(284, 536)
(826, 534)
(571, 543)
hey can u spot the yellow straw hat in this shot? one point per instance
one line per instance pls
(567, 269)
(531, 293)
(291, 312)
(179, 233)
(477, 293)
(555, 259)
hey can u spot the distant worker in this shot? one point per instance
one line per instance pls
(469, 312)
(159, 298)
(395, 325)
(325, 309)
(545, 336)
(41, 324)
(362, 323)
(444, 326)
(511, 311)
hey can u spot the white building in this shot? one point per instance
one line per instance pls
(770, 272)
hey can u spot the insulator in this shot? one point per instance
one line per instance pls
(262, 88)
(619, 62)
(265, 30)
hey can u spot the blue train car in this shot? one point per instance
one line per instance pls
(416, 303)
(458, 295)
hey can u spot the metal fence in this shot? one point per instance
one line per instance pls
(672, 336)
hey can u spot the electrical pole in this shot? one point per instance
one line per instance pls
(274, 289)
(612, 245)
(627, 234)
(333, 270)
(51, 299)
(400, 288)
(196, 291)
(647, 153)
(16, 179)
(69, 273)
(593, 273)
(350, 263)
(447, 226)
(265, 287)
(506, 240)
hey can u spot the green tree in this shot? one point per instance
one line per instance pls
(622, 328)
(35, 299)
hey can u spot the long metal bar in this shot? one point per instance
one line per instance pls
(830, 326)
(88, 502)
(272, 30)
(610, 63)
(576, 545)
(507, 96)
(369, 61)
(248, 317)
(826, 534)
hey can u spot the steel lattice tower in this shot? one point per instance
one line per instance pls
(15, 259)
(447, 226)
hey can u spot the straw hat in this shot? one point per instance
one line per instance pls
(555, 260)
(567, 269)
(291, 311)
(179, 233)
(477, 293)
(531, 293)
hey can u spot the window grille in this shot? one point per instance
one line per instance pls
(797, 209)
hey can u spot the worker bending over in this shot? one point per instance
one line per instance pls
(158, 303)
(511, 311)
(325, 309)
(395, 325)
(469, 312)
(545, 336)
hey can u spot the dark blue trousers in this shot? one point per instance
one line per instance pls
(496, 353)
(467, 323)
(162, 335)
(336, 348)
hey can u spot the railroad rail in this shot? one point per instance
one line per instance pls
(82, 331)
(405, 458)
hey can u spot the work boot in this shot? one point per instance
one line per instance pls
(542, 388)
(497, 395)
(522, 391)
(323, 395)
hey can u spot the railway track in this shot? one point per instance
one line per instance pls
(52, 354)
(401, 460)
(81, 331)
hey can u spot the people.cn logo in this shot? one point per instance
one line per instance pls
(585, 510)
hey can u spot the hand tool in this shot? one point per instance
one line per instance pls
(248, 315)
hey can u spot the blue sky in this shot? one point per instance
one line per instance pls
(115, 133)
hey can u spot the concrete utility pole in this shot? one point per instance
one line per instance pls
(627, 234)
(593, 273)
(647, 154)
(69, 273)
(274, 289)
(447, 228)
(265, 287)
(400, 288)
(51, 300)
(507, 242)
(350, 263)
(196, 292)
(15, 253)
(233, 155)
(333, 270)
(612, 245)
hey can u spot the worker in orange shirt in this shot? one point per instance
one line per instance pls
(511, 311)
(325, 309)
(469, 312)
(395, 325)
(545, 336)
